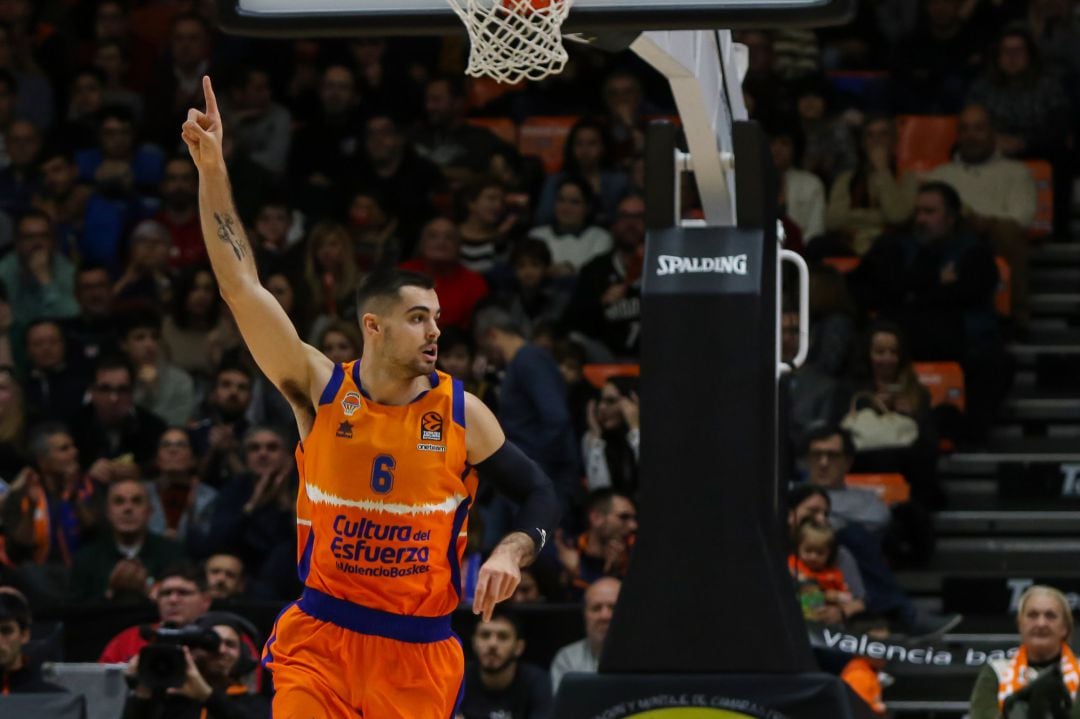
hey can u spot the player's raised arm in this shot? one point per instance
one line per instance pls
(271, 337)
(520, 479)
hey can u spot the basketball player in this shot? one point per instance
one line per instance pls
(385, 485)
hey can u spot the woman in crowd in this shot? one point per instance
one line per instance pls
(485, 225)
(873, 197)
(340, 341)
(572, 238)
(330, 269)
(612, 444)
(1042, 677)
(586, 154)
(196, 322)
(885, 370)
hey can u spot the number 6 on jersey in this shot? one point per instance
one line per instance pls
(382, 474)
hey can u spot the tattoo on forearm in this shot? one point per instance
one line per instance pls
(226, 232)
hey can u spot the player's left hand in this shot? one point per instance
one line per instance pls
(499, 577)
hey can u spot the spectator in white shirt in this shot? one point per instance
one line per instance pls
(584, 655)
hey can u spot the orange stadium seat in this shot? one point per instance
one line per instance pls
(843, 265)
(925, 141)
(544, 137)
(1003, 295)
(501, 127)
(1043, 174)
(945, 380)
(598, 374)
(891, 488)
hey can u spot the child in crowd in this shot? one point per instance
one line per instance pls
(814, 562)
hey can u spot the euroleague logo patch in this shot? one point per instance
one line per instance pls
(350, 403)
(431, 426)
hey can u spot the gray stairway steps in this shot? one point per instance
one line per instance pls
(1054, 304)
(1041, 406)
(998, 522)
(1028, 554)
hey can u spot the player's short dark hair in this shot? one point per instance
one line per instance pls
(386, 285)
(187, 571)
(802, 492)
(824, 431)
(14, 608)
(508, 615)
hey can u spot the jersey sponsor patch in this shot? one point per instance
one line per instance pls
(350, 403)
(424, 447)
(344, 430)
(431, 427)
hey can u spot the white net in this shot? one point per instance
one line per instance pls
(514, 40)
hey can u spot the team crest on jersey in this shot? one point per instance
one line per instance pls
(350, 403)
(431, 425)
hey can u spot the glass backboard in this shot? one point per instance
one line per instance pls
(418, 17)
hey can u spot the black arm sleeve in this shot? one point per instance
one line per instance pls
(522, 480)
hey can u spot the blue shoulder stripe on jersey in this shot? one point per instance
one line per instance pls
(459, 403)
(332, 387)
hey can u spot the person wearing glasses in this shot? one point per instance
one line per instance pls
(111, 425)
(255, 510)
(830, 453)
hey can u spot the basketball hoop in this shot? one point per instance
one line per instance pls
(514, 40)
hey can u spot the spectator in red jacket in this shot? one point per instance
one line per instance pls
(459, 289)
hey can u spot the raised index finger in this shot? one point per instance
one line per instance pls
(208, 95)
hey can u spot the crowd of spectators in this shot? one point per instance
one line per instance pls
(138, 438)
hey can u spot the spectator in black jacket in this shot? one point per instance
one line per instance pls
(54, 386)
(111, 425)
(605, 309)
(254, 511)
(18, 675)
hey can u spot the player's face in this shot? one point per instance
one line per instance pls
(411, 330)
(497, 645)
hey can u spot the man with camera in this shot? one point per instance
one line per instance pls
(195, 672)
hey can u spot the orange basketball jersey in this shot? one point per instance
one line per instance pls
(384, 498)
